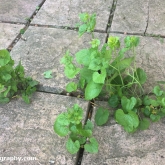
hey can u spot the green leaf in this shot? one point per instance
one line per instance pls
(163, 102)
(101, 116)
(125, 63)
(128, 104)
(95, 64)
(154, 118)
(141, 75)
(71, 87)
(95, 43)
(99, 77)
(157, 91)
(6, 77)
(72, 147)
(89, 125)
(92, 147)
(71, 71)
(86, 74)
(129, 121)
(146, 100)
(113, 42)
(82, 29)
(61, 125)
(83, 57)
(113, 101)
(48, 74)
(4, 57)
(26, 98)
(4, 100)
(144, 124)
(92, 90)
(7, 91)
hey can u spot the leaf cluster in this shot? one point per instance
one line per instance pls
(13, 81)
(70, 123)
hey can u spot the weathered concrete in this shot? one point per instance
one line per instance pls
(156, 19)
(17, 10)
(130, 16)
(43, 50)
(150, 57)
(8, 34)
(120, 148)
(65, 13)
(27, 130)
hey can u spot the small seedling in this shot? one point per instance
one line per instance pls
(13, 81)
(70, 123)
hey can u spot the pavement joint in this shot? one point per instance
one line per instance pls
(148, 12)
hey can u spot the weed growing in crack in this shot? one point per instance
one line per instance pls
(108, 72)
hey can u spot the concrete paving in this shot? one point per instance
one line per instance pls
(65, 13)
(8, 33)
(27, 130)
(120, 148)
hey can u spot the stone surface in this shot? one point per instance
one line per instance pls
(17, 10)
(43, 50)
(27, 130)
(150, 57)
(8, 33)
(65, 13)
(120, 148)
(130, 16)
(156, 22)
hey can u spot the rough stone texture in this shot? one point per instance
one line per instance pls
(43, 50)
(130, 16)
(120, 148)
(17, 10)
(156, 22)
(27, 130)
(8, 34)
(150, 57)
(65, 13)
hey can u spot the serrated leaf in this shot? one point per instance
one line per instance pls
(113, 101)
(72, 147)
(128, 104)
(71, 87)
(92, 147)
(154, 118)
(92, 90)
(129, 121)
(89, 125)
(99, 77)
(82, 29)
(141, 75)
(83, 57)
(86, 74)
(61, 125)
(101, 116)
(95, 64)
(4, 57)
(48, 74)
(157, 91)
(144, 124)
(146, 100)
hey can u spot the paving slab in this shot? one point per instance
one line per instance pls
(17, 10)
(130, 16)
(65, 13)
(156, 21)
(27, 130)
(150, 57)
(43, 51)
(117, 147)
(8, 33)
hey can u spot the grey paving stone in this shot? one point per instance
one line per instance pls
(156, 22)
(150, 57)
(65, 13)
(130, 16)
(8, 33)
(117, 147)
(17, 10)
(43, 50)
(27, 130)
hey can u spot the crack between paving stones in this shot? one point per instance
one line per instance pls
(148, 12)
(112, 11)
(19, 36)
(88, 117)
